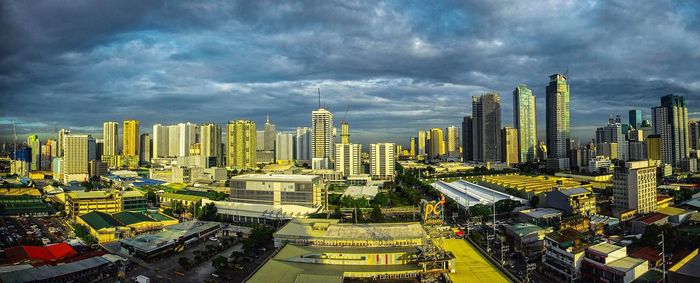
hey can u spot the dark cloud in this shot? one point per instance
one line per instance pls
(398, 66)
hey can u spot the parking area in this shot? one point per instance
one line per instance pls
(16, 231)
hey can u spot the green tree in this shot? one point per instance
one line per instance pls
(506, 205)
(337, 214)
(480, 210)
(184, 262)
(381, 199)
(219, 262)
(151, 196)
(377, 215)
(236, 256)
(534, 201)
(81, 231)
(178, 207)
(358, 215)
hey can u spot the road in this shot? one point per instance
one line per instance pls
(205, 269)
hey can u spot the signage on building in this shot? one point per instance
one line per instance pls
(433, 212)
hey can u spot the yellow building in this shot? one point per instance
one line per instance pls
(528, 184)
(510, 153)
(79, 203)
(131, 138)
(437, 142)
(241, 144)
(166, 199)
(663, 201)
(653, 147)
(111, 227)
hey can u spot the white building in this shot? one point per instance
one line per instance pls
(188, 135)
(322, 134)
(75, 160)
(382, 161)
(210, 142)
(173, 140)
(303, 144)
(599, 163)
(284, 146)
(347, 159)
(634, 187)
(161, 141)
(110, 134)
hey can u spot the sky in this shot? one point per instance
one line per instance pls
(398, 66)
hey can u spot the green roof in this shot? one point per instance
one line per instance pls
(180, 197)
(99, 220)
(159, 216)
(130, 217)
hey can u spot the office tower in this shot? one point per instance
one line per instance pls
(284, 147)
(382, 161)
(92, 148)
(558, 116)
(670, 120)
(146, 147)
(110, 135)
(99, 148)
(266, 143)
(467, 140)
(241, 144)
(344, 132)
(437, 143)
(612, 133)
(636, 135)
(635, 118)
(131, 138)
(61, 134)
(45, 162)
(347, 159)
(270, 135)
(303, 144)
(637, 151)
(486, 127)
(634, 187)
(412, 150)
(694, 134)
(173, 141)
(321, 134)
(452, 141)
(34, 143)
(210, 141)
(189, 134)
(75, 159)
(509, 145)
(160, 141)
(525, 120)
(653, 143)
(422, 142)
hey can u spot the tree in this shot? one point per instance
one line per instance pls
(381, 199)
(534, 201)
(506, 205)
(377, 215)
(236, 256)
(358, 215)
(178, 207)
(151, 196)
(480, 210)
(184, 262)
(219, 262)
(81, 231)
(207, 212)
(337, 214)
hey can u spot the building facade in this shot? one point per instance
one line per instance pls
(382, 161)
(486, 127)
(467, 139)
(241, 144)
(525, 120)
(272, 189)
(510, 152)
(558, 117)
(634, 187)
(670, 121)
(210, 142)
(348, 159)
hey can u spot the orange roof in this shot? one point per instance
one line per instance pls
(646, 253)
(46, 253)
(650, 219)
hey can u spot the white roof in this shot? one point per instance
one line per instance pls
(276, 178)
(286, 211)
(362, 191)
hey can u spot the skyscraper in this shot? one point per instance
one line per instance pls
(509, 146)
(75, 161)
(210, 140)
(612, 133)
(188, 134)
(670, 120)
(146, 147)
(344, 132)
(266, 143)
(558, 121)
(694, 134)
(452, 141)
(525, 120)
(34, 143)
(382, 161)
(284, 147)
(303, 144)
(131, 138)
(437, 143)
(241, 144)
(174, 141)
(486, 128)
(347, 159)
(322, 134)
(635, 118)
(110, 134)
(412, 144)
(161, 141)
(634, 187)
(653, 143)
(61, 134)
(467, 139)
(422, 142)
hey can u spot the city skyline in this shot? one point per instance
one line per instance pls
(399, 68)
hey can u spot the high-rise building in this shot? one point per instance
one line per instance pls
(653, 143)
(525, 120)
(452, 141)
(670, 120)
(634, 187)
(241, 144)
(612, 133)
(635, 118)
(284, 147)
(266, 143)
(347, 159)
(437, 143)
(382, 161)
(45, 162)
(303, 144)
(110, 135)
(486, 127)
(146, 147)
(34, 143)
(75, 160)
(344, 132)
(189, 134)
(558, 116)
(412, 150)
(210, 141)
(270, 134)
(161, 141)
(509, 146)
(694, 134)
(467, 140)
(173, 141)
(61, 134)
(131, 138)
(322, 134)
(422, 142)
(92, 148)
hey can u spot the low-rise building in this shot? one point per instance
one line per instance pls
(304, 190)
(541, 216)
(640, 224)
(572, 201)
(111, 227)
(687, 269)
(526, 239)
(564, 251)
(91, 269)
(173, 237)
(167, 199)
(606, 262)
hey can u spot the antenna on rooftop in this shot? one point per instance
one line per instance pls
(319, 98)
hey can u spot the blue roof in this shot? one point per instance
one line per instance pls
(146, 182)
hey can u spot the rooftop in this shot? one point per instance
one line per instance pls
(605, 248)
(330, 229)
(652, 218)
(169, 235)
(646, 253)
(626, 263)
(88, 195)
(575, 191)
(542, 212)
(130, 217)
(46, 253)
(672, 211)
(567, 238)
(99, 220)
(362, 191)
(181, 197)
(689, 265)
(46, 272)
(522, 229)
(276, 178)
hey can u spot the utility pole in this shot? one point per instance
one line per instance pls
(663, 257)
(493, 200)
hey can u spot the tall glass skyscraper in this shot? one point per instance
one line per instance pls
(525, 120)
(558, 116)
(670, 121)
(635, 119)
(486, 128)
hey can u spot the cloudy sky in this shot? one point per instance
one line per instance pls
(399, 66)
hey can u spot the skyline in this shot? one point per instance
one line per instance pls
(399, 68)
